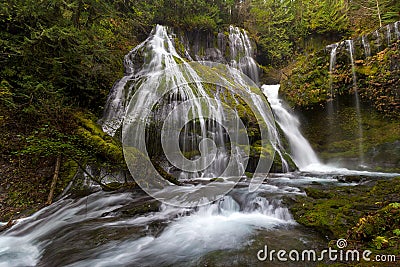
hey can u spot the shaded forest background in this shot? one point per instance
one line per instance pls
(59, 59)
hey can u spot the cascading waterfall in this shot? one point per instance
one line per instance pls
(367, 48)
(388, 34)
(396, 29)
(350, 47)
(159, 54)
(242, 53)
(301, 151)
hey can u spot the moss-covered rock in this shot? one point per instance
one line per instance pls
(94, 139)
(379, 81)
(365, 215)
(307, 83)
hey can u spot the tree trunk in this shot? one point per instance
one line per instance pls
(54, 182)
(379, 13)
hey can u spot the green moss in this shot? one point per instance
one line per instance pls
(307, 82)
(367, 70)
(359, 214)
(96, 140)
(379, 229)
(317, 194)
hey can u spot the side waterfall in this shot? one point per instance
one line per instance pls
(350, 47)
(301, 151)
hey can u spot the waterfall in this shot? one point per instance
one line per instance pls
(388, 34)
(396, 29)
(367, 48)
(350, 47)
(164, 97)
(301, 151)
(377, 39)
(242, 53)
(159, 53)
(332, 64)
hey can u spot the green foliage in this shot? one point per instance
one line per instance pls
(365, 15)
(282, 27)
(270, 22)
(380, 241)
(378, 228)
(323, 16)
(394, 205)
(308, 84)
(72, 47)
(192, 14)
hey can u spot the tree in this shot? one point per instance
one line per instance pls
(369, 14)
(269, 23)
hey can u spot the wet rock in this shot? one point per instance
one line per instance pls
(334, 211)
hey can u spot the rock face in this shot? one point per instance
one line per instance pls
(330, 73)
(349, 94)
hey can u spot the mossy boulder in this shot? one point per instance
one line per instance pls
(94, 139)
(360, 213)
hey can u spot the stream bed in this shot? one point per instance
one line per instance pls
(131, 229)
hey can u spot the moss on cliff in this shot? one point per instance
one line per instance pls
(308, 82)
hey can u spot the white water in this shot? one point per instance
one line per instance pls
(242, 53)
(377, 39)
(350, 47)
(301, 151)
(218, 226)
(163, 67)
(388, 34)
(23, 244)
(192, 233)
(367, 48)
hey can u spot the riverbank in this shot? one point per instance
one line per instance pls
(366, 215)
